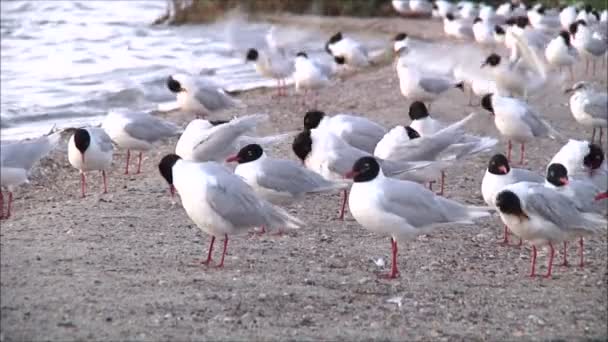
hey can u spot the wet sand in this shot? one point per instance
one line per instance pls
(121, 266)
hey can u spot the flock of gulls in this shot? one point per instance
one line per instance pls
(385, 175)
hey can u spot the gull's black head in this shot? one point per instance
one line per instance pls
(511, 21)
(166, 166)
(302, 54)
(412, 133)
(588, 8)
(596, 14)
(174, 85)
(573, 28)
(541, 10)
(249, 153)
(594, 158)
(477, 20)
(364, 170)
(82, 139)
(340, 60)
(499, 165)
(252, 55)
(522, 22)
(557, 174)
(449, 16)
(400, 36)
(499, 30)
(492, 60)
(218, 122)
(313, 118)
(418, 111)
(486, 103)
(335, 38)
(435, 7)
(302, 145)
(566, 36)
(508, 203)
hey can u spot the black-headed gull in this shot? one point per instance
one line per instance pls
(587, 44)
(567, 16)
(278, 181)
(199, 97)
(310, 75)
(589, 107)
(326, 154)
(500, 174)
(584, 161)
(543, 216)
(219, 202)
(560, 53)
(354, 53)
(483, 32)
(273, 65)
(422, 122)
(517, 121)
(458, 28)
(400, 40)
(16, 161)
(137, 131)
(401, 209)
(357, 131)
(90, 149)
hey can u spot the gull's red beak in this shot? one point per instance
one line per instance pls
(233, 158)
(601, 196)
(564, 181)
(351, 174)
(503, 169)
(172, 190)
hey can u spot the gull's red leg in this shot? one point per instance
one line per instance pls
(509, 147)
(221, 264)
(206, 262)
(10, 203)
(551, 255)
(105, 181)
(593, 136)
(128, 159)
(601, 134)
(533, 273)
(394, 271)
(581, 251)
(139, 163)
(83, 184)
(565, 262)
(1, 205)
(442, 183)
(522, 154)
(505, 240)
(345, 195)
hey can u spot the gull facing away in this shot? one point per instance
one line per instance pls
(17, 159)
(310, 75)
(517, 121)
(199, 97)
(589, 107)
(586, 44)
(219, 202)
(560, 53)
(500, 174)
(90, 149)
(279, 181)
(582, 193)
(401, 209)
(204, 140)
(584, 161)
(358, 131)
(137, 131)
(543, 216)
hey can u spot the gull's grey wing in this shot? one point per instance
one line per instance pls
(596, 47)
(363, 134)
(523, 175)
(24, 154)
(538, 127)
(148, 128)
(466, 31)
(217, 139)
(103, 139)
(213, 97)
(435, 85)
(584, 197)
(289, 176)
(597, 107)
(554, 207)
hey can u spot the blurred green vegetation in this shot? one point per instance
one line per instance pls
(192, 11)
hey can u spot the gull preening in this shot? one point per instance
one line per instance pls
(584, 160)
(219, 202)
(353, 52)
(90, 149)
(198, 96)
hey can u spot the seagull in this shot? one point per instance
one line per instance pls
(401, 209)
(448, 144)
(400, 40)
(498, 175)
(509, 78)
(325, 153)
(540, 20)
(483, 32)
(401, 6)
(272, 65)
(421, 7)
(219, 202)
(467, 10)
(204, 140)
(309, 75)
(567, 16)
(584, 161)
(90, 149)
(517, 121)
(422, 122)
(137, 131)
(586, 43)
(543, 216)
(355, 130)
(417, 87)
(441, 8)
(560, 53)
(16, 161)
(353, 52)
(589, 107)
(200, 97)
(278, 181)
(458, 28)
(581, 192)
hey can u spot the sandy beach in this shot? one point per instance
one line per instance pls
(121, 266)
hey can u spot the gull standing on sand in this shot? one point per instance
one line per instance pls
(308, 75)
(401, 209)
(90, 149)
(199, 97)
(357, 131)
(587, 44)
(137, 131)
(516, 121)
(483, 32)
(279, 181)
(560, 53)
(458, 28)
(543, 216)
(17, 159)
(219, 202)
(584, 161)
(589, 107)
(354, 53)
(500, 174)
(272, 64)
